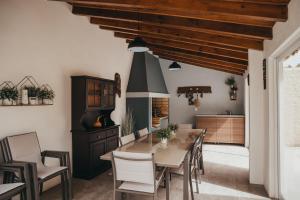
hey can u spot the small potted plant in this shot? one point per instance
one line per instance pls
(33, 93)
(230, 82)
(47, 96)
(9, 96)
(164, 135)
(173, 128)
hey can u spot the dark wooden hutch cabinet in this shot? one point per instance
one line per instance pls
(92, 98)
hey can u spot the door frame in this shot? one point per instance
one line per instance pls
(274, 62)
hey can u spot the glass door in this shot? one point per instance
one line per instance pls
(289, 125)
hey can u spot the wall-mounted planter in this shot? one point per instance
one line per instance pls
(26, 93)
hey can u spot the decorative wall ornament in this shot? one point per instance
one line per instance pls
(190, 91)
(265, 73)
(233, 88)
(118, 84)
(26, 92)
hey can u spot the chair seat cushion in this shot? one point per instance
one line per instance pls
(10, 186)
(44, 172)
(137, 187)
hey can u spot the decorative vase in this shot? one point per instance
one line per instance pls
(24, 97)
(33, 100)
(164, 140)
(7, 102)
(97, 124)
(47, 101)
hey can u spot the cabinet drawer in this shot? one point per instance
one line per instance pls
(112, 132)
(96, 136)
(238, 122)
(223, 123)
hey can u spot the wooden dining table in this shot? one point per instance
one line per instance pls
(171, 155)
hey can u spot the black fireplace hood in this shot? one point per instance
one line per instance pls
(146, 78)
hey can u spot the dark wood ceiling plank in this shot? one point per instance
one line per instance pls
(197, 60)
(132, 34)
(217, 10)
(194, 47)
(272, 2)
(200, 58)
(214, 27)
(160, 29)
(191, 62)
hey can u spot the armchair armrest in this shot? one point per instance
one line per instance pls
(63, 156)
(23, 170)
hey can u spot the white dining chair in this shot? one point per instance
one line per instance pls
(185, 126)
(126, 139)
(143, 132)
(135, 173)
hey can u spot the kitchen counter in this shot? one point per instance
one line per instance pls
(222, 129)
(211, 115)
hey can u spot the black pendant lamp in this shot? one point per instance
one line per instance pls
(138, 45)
(174, 66)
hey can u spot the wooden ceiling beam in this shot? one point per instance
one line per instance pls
(191, 47)
(214, 27)
(217, 10)
(195, 63)
(217, 57)
(272, 2)
(132, 33)
(197, 60)
(161, 29)
(200, 58)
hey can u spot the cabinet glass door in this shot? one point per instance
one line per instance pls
(108, 95)
(93, 94)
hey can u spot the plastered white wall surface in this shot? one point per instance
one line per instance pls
(44, 39)
(215, 103)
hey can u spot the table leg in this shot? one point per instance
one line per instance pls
(186, 177)
(167, 184)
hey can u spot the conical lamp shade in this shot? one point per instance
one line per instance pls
(174, 66)
(138, 45)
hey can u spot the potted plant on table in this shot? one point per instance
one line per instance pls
(164, 135)
(33, 93)
(47, 95)
(173, 128)
(9, 95)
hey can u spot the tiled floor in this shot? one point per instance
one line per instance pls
(226, 178)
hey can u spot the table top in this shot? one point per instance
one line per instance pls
(170, 155)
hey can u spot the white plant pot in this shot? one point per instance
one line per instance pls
(7, 102)
(47, 101)
(1, 102)
(33, 100)
(24, 97)
(164, 140)
(14, 102)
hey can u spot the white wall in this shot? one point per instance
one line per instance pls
(282, 32)
(216, 103)
(257, 119)
(44, 39)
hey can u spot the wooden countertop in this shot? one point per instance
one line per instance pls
(229, 116)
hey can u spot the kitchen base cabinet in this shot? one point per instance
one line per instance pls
(222, 129)
(87, 149)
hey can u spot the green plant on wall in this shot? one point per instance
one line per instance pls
(32, 91)
(230, 81)
(46, 94)
(9, 93)
(127, 123)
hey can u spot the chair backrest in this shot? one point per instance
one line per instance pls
(195, 149)
(126, 139)
(143, 132)
(134, 167)
(185, 126)
(24, 147)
